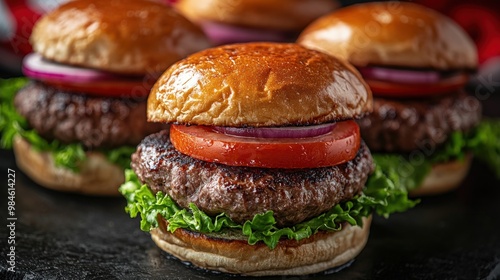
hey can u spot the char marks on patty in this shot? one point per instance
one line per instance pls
(403, 125)
(75, 117)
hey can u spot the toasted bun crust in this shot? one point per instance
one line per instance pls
(444, 177)
(121, 36)
(285, 15)
(259, 84)
(392, 34)
(320, 252)
(96, 177)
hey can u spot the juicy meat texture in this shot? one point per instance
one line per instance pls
(404, 125)
(242, 192)
(74, 117)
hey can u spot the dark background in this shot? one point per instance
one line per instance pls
(66, 236)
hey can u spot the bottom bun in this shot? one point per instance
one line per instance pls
(97, 176)
(232, 253)
(444, 177)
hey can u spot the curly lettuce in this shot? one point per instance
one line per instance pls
(69, 156)
(483, 142)
(386, 192)
(381, 196)
(10, 120)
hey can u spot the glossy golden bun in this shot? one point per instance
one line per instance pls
(285, 15)
(259, 84)
(97, 175)
(392, 34)
(322, 251)
(444, 177)
(121, 36)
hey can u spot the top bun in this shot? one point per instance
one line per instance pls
(285, 15)
(121, 36)
(392, 34)
(259, 84)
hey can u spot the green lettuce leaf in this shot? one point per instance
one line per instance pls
(381, 196)
(483, 142)
(120, 156)
(402, 172)
(69, 156)
(455, 147)
(10, 120)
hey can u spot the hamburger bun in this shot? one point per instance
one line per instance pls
(97, 176)
(402, 37)
(284, 15)
(254, 86)
(444, 177)
(135, 40)
(278, 90)
(97, 34)
(322, 251)
(392, 34)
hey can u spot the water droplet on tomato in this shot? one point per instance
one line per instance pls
(229, 147)
(208, 142)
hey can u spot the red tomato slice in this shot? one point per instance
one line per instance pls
(333, 148)
(391, 89)
(112, 88)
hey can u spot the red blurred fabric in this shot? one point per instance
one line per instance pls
(24, 16)
(480, 18)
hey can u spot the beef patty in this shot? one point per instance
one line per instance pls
(403, 125)
(73, 117)
(294, 195)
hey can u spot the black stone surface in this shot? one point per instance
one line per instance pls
(66, 236)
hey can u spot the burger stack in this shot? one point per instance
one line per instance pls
(92, 69)
(424, 127)
(249, 158)
(253, 20)
(263, 170)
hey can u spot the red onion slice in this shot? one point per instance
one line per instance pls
(34, 66)
(277, 132)
(223, 34)
(400, 76)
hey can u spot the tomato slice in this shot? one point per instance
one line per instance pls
(333, 148)
(391, 89)
(111, 88)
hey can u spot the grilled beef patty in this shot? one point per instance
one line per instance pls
(294, 195)
(403, 125)
(74, 117)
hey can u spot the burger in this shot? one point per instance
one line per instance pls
(263, 171)
(84, 110)
(424, 127)
(253, 20)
